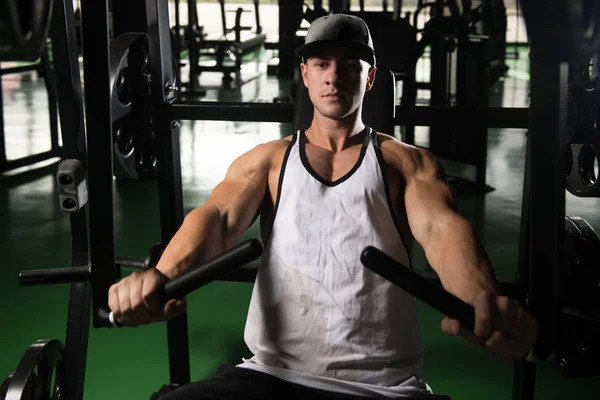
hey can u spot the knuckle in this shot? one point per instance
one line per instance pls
(147, 296)
(137, 304)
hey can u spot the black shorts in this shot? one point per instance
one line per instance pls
(233, 383)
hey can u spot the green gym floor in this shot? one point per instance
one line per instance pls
(132, 363)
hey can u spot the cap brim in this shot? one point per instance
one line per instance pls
(363, 51)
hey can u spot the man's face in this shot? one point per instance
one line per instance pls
(337, 81)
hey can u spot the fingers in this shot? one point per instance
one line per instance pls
(135, 300)
(174, 308)
(516, 334)
(485, 313)
(453, 328)
(501, 326)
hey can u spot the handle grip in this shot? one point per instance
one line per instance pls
(198, 276)
(420, 287)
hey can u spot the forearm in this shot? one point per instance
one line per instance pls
(455, 253)
(200, 238)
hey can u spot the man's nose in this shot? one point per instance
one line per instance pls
(335, 74)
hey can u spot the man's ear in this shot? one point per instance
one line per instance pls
(371, 77)
(303, 72)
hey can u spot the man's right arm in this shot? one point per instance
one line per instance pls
(215, 226)
(207, 231)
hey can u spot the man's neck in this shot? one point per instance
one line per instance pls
(334, 135)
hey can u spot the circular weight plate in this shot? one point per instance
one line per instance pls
(24, 26)
(582, 179)
(4, 386)
(134, 141)
(577, 345)
(39, 373)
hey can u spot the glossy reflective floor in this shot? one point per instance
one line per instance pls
(132, 363)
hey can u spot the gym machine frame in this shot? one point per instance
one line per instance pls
(167, 112)
(541, 229)
(44, 68)
(541, 224)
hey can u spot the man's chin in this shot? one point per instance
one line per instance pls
(335, 112)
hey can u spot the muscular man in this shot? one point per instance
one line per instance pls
(320, 325)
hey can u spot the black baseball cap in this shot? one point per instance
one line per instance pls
(339, 30)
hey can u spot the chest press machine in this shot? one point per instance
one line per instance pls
(95, 268)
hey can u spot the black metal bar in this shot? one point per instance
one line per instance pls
(2, 138)
(77, 336)
(94, 24)
(25, 161)
(257, 16)
(222, 111)
(70, 106)
(131, 262)
(50, 82)
(198, 276)
(54, 276)
(223, 17)
(524, 372)
(524, 380)
(177, 18)
(20, 69)
(168, 166)
(68, 84)
(549, 85)
(409, 280)
(127, 16)
(193, 46)
(493, 117)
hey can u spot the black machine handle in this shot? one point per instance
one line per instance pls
(437, 297)
(198, 276)
(420, 287)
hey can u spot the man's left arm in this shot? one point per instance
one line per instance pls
(457, 256)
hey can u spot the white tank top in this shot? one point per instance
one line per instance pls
(317, 316)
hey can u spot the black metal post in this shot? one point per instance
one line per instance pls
(257, 16)
(223, 17)
(128, 16)
(2, 139)
(168, 166)
(193, 49)
(290, 18)
(549, 80)
(70, 105)
(547, 133)
(51, 87)
(94, 21)
(472, 91)
(524, 373)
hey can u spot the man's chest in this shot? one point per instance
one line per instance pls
(332, 167)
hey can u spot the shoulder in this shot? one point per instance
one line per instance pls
(411, 161)
(263, 157)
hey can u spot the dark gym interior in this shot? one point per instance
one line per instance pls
(208, 81)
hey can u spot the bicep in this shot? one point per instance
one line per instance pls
(239, 196)
(429, 200)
